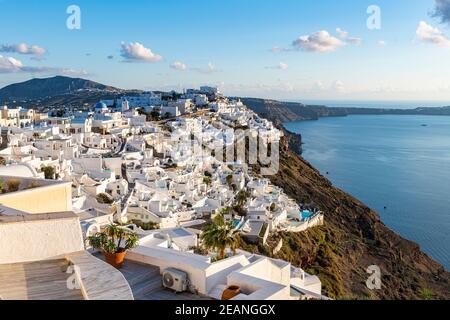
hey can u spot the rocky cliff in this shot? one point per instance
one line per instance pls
(280, 112)
(352, 239)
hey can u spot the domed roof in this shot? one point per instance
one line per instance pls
(100, 105)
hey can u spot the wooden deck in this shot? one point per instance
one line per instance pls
(99, 280)
(43, 280)
(146, 282)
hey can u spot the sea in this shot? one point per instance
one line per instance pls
(398, 165)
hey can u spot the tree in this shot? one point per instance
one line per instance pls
(207, 181)
(273, 207)
(229, 180)
(242, 197)
(49, 172)
(219, 235)
(155, 115)
(167, 115)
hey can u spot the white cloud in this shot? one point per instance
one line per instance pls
(382, 43)
(72, 72)
(343, 34)
(276, 49)
(23, 48)
(136, 52)
(429, 34)
(354, 40)
(318, 85)
(210, 68)
(177, 65)
(279, 66)
(10, 65)
(320, 41)
(283, 66)
(338, 86)
(346, 36)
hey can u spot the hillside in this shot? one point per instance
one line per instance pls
(352, 239)
(51, 87)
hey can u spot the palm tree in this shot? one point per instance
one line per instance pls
(219, 235)
(241, 198)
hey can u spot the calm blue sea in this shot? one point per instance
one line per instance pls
(392, 161)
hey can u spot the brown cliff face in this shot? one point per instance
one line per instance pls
(352, 239)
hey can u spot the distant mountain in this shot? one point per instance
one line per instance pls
(280, 112)
(51, 87)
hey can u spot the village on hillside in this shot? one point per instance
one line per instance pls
(145, 197)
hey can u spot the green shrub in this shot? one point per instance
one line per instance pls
(145, 225)
(426, 294)
(103, 198)
(13, 185)
(49, 172)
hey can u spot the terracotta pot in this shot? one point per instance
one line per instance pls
(115, 259)
(231, 292)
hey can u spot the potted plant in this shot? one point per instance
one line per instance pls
(114, 241)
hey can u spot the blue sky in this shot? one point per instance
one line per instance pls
(229, 44)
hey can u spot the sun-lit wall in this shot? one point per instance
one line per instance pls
(55, 197)
(39, 237)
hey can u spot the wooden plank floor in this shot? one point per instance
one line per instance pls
(43, 280)
(100, 280)
(146, 282)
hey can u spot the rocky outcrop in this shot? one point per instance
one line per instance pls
(352, 239)
(280, 111)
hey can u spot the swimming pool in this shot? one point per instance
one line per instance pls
(235, 223)
(305, 214)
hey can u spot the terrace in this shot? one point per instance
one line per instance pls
(48, 260)
(145, 281)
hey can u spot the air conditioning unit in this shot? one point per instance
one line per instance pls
(175, 280)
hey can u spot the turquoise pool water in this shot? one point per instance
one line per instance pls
(306, 214)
